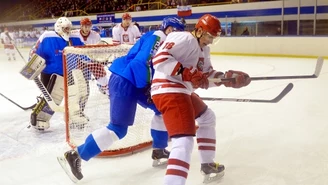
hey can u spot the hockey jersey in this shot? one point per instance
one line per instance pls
(50, 47)
(179, 48)
(136, 66)
(92, 38)
(125, 36)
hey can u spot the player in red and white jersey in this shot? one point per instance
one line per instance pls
(87, 35)
(182, 64)
(91, 37)
(9, 47)
(125, 32)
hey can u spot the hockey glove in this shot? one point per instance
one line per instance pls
(240, 79)
(197, 78)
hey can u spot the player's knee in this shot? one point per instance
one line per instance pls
(119, 130)
(185, 143)
(207, 119)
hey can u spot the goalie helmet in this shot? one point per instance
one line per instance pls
(63, 27)
(210, 24)
(176, 23)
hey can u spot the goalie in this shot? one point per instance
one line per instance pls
(49, 48)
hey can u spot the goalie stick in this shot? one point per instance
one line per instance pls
(40, 85)
(283, 93)
(24, 108)
(315, 75)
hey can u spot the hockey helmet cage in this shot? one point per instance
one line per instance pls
(63, 27)
(176, 23)
(210, 24)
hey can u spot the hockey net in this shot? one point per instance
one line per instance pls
(87, 108)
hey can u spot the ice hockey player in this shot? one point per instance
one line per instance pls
(7, 43)
(91, 37)
(50, 46)
(179, 70)
(130, 84)
(126, 32)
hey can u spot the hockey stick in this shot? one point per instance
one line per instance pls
(24, 108)
(283, 93)
(315, 75)
(40, 85)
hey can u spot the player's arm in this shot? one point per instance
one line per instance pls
(142, 61)
(116, 35)
(240, 79)
(164, 60)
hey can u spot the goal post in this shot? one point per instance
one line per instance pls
(87, 109)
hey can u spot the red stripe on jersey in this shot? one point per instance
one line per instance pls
(177, 173)
(155, 62)
(176, 69)
(178, 163)
(161, 53)
(167, 85)
(206, 148)
(206, 140)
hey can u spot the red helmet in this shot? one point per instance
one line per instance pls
(210, 24)
(85, 21)
(126, 16)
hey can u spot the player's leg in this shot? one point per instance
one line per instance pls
(123, 104)
(178, 116)
(7, 51)
(158, 132)
(206, 139)
(42, 113)
(12, 51)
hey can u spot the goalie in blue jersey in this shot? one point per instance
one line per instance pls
(129, 85)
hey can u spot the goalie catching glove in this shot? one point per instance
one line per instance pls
(239, 79)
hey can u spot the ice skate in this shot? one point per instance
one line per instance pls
(212, 172)
(71, 159)
(160, 157)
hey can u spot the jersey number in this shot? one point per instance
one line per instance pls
(168, 45)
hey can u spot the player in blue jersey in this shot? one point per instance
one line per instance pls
(129, 85)
(50, 47)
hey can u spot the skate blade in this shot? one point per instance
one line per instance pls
(212, 177)
(63, 163)
(160, 163)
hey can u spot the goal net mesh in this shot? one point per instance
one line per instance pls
(87, 107)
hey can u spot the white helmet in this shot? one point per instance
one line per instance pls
(63, 27)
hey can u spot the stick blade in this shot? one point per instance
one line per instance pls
(318, 67)
(283, 93)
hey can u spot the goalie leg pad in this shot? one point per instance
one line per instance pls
(42, 113)
(78, 93)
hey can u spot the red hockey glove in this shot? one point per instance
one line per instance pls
(197, 78)
(241, 79)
